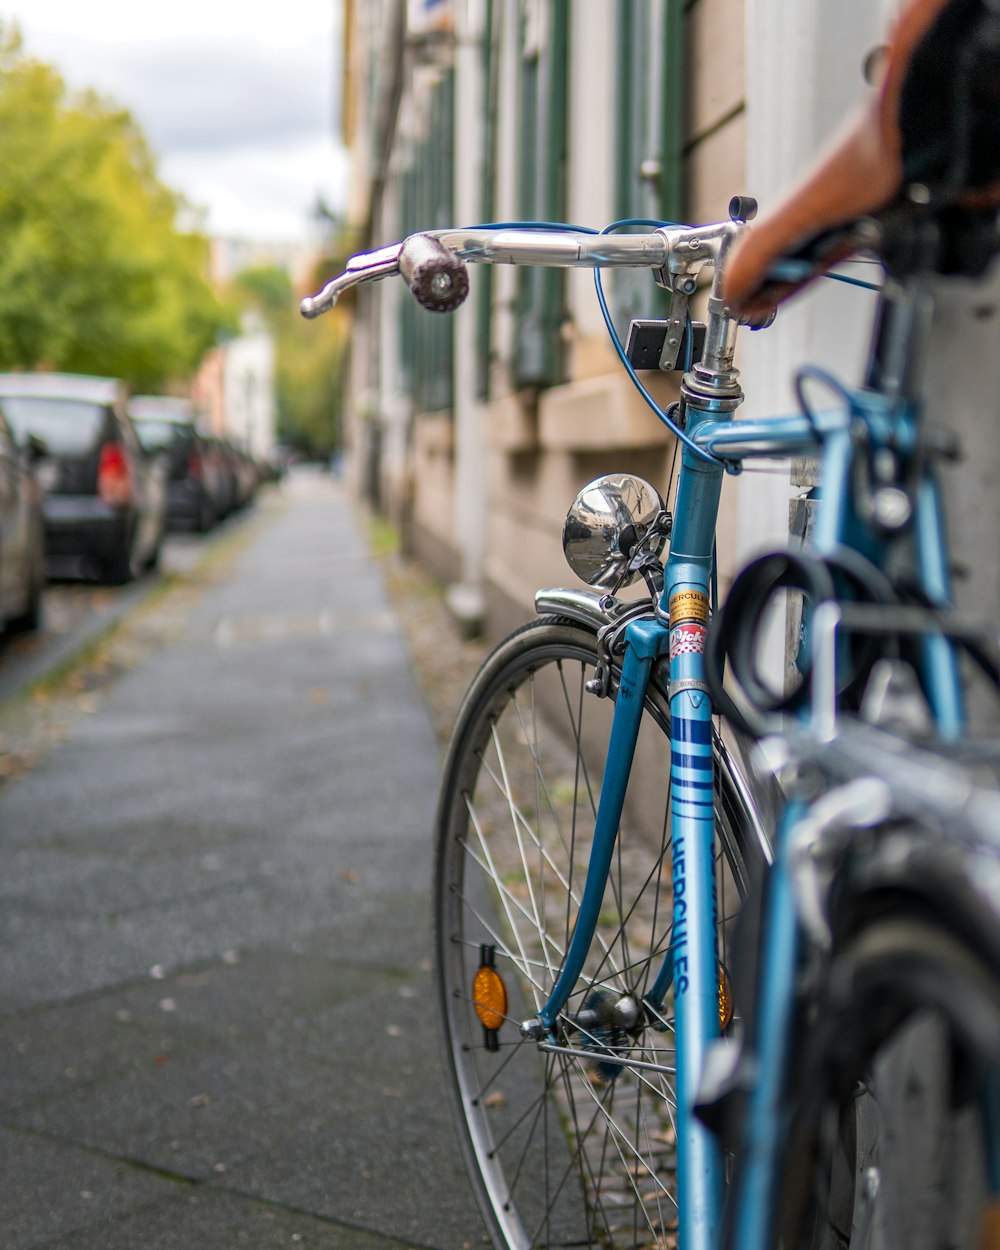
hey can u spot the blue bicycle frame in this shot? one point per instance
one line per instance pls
(691, 964)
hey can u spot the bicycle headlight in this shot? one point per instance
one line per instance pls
(607, 522)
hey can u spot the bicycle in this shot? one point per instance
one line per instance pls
(583, 980)
(890, 856)
(600, 666)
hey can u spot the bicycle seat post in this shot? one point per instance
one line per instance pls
(901, 339)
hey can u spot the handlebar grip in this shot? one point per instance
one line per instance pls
(435, 275)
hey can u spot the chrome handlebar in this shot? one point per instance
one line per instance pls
(674, 253)
(433, 265)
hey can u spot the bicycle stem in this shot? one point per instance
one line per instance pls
(712, 384)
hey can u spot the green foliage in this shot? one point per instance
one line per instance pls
(308, 358)
(95, 274)
(268, 288)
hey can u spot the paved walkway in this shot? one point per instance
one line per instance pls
(216, 1023)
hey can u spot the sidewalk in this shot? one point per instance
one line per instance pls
(215, 1001)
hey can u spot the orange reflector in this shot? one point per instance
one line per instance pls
(489, 997)
(725, 999)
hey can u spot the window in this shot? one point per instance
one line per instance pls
(542, 140)
(428, 203)
(68, 427)
(649, 138)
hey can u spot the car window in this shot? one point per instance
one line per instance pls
(155, 435)
(68, 427)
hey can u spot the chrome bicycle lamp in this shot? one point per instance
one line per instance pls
(609, 522)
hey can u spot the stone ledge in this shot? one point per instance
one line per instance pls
(602, 413)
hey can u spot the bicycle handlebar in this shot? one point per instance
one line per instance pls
(431, 263)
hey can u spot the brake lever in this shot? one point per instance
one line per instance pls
(365, 267)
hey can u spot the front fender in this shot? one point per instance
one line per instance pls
(582, 606)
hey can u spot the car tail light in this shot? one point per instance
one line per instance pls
(114, 481)
(194, 465)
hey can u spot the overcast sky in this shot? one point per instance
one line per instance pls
(236, 97)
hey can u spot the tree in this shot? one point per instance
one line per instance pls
(95, 274)
(308, 358)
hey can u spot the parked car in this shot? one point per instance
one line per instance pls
(22, 532)
(104, 502)
(241, 472)
(224, 463)
(247, 476)
(197, 495)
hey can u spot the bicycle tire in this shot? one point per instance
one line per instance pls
(889, 1135)
(563, 1149)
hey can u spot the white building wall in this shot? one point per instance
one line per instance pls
(470, 443)
(590, 183)
(803, 76)
(248, 390)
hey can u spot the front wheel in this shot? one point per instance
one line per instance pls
(573, 1145)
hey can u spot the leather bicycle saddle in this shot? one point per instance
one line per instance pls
(934, 119)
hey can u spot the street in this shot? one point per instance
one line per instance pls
(216, 1011)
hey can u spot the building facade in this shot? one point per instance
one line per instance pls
(235, 390)
(474, 432)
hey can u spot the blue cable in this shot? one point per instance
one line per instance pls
(801, 270)
(842, 277)
(535, 225)
(615, 340)
(627, 364)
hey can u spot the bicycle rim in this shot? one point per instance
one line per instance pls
(574, 1146)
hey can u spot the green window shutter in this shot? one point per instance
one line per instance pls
(649, 130)
(428, 203)
(542, 140)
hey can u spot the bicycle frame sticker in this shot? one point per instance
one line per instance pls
(688, 605)
(687, 639)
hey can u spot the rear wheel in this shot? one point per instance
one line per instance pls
(890, 1144)
(574, 1146)
(204, 516)
(123, 566)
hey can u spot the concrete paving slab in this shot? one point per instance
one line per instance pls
(215, 927)
(52, 1191)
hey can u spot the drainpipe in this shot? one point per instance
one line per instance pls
(465, 597)
(392, 67)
